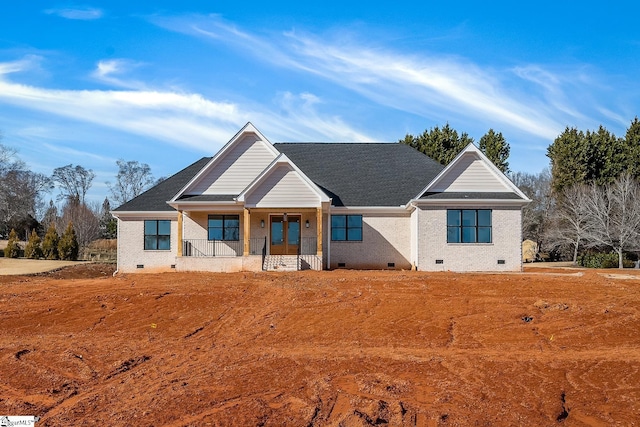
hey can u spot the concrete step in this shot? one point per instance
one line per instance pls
(281, 263)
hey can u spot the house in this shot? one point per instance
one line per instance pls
(257, 205)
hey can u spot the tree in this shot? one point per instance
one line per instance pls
(632, 143)
(571, 219)
(605, 156)
(132, 180)
(496, 148)
(74, 182)
(442, 145)
(614, 218)
(9, 160)
(68, 247)
(568, 156)
(85, 220)
(33, 250)
(20, 190)
(50, 215)
(536, 216)
(108, 224)
(592, 157)
(12, 250)
(50, 243)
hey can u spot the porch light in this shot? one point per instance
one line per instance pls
(306, 224)
(262, 223)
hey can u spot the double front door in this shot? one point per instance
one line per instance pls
(285, 234)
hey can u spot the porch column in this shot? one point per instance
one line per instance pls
(319, 231)
(180, 233)
(247, 228)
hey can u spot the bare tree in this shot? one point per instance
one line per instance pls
(536, 216)
(570, 221)
(614, 218)
(9, 160)
(85, 219)
(132, 180)
(73, 181)
(21, 190)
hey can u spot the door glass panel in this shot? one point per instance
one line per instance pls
(293, 232)
(277, 235)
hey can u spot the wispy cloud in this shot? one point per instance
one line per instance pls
(111, 71)
(300, 119)
(84, 13)
(179, 118)
(73, 153)
(529, 98)
(184, 119)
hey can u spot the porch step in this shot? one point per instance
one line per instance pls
(281, 263)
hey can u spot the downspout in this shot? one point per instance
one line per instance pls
(329, 237)
(118, 240)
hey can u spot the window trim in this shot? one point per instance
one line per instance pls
(346, 228)
(476, 227)
(224, 218)
(157, 235)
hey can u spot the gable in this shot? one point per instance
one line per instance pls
(235, 170)
(470, 174)
(283, 186)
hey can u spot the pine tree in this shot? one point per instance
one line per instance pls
(632, 142)
(33, 249)
(496, 148)
(442, 145)
(606, 156)
(68, 245)
(108, 224)
(12, 250)
(568, 155)
(50, 243)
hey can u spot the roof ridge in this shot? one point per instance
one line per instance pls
(337, 143)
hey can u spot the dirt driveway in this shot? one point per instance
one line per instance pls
(13, 266)
(345, 348)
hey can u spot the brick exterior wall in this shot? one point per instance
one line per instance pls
(131, 251)
(385, 239)
(506, 243)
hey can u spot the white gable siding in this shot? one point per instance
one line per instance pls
(236, 169)
(283, 187)
(470, 174)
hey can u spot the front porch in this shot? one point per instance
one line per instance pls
(250, 239)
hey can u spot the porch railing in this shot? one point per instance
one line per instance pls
(257, 245)
(211, 248)
(308, 246)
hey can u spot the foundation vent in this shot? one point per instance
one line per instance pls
(391, 264)
(342, 264)
(140, 266)
(439, 261)
(501, 261)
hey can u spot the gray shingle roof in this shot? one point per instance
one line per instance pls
(352, 174)
(155, 198)
(364, 174)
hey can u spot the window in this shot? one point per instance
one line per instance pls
(346, 227)
(224, 227)
(469, 226)
(157, 235)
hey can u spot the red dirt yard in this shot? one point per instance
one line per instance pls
(348, 348)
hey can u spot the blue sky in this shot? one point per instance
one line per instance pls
(165, 84)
